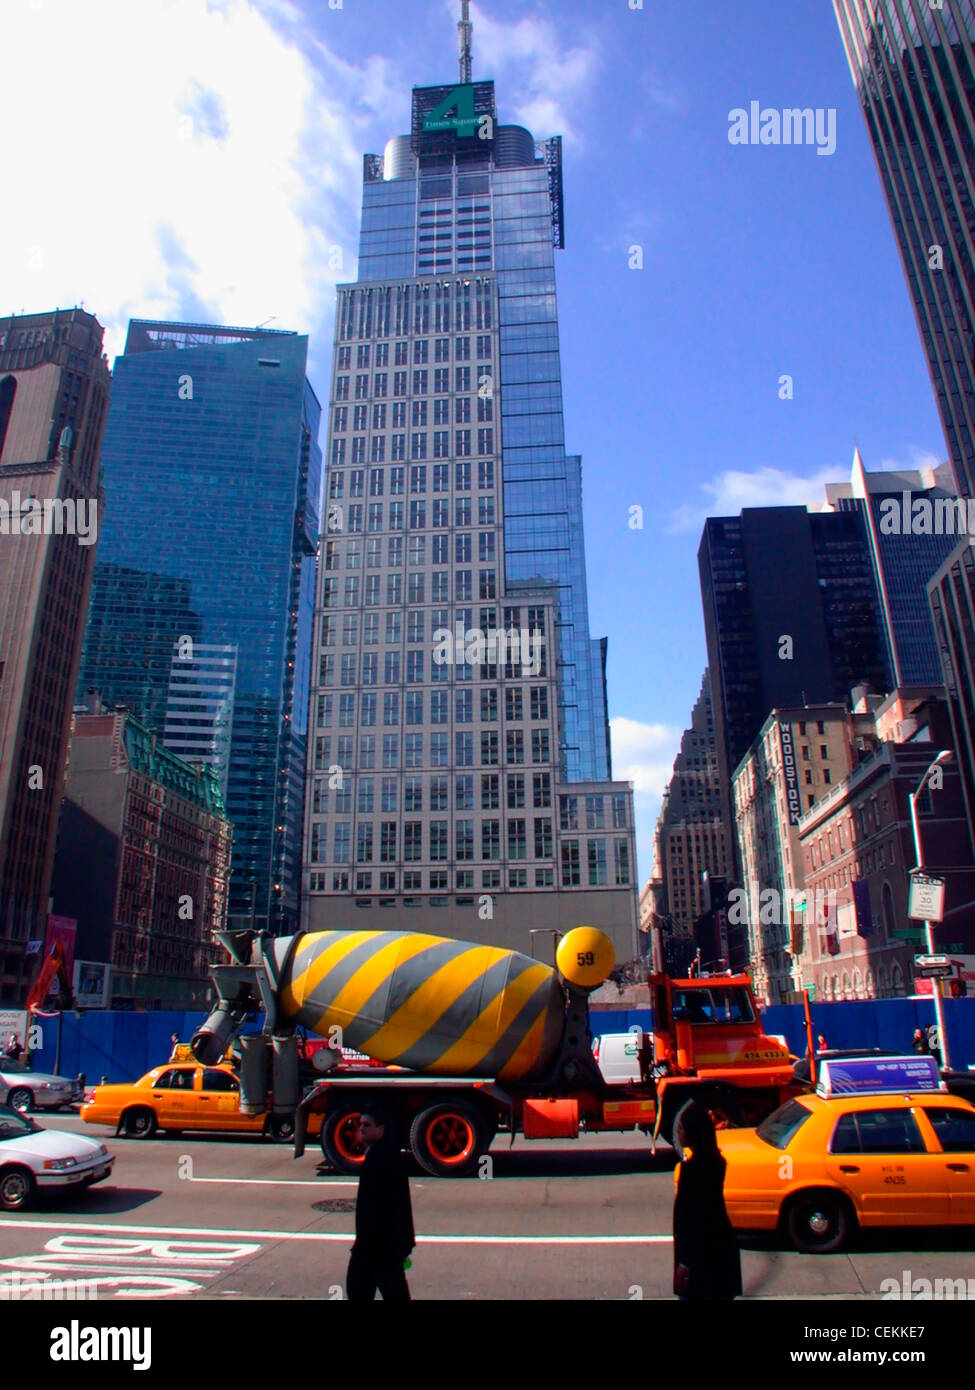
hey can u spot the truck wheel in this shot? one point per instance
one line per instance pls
(819, 1223)
(340, 1139)
(448, 1139)
(724, 1111)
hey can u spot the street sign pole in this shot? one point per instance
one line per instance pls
(928, 929)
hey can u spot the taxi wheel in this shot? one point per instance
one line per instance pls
(819, 1223)
(281, 1129)
(17, 1187)
(139, 1123)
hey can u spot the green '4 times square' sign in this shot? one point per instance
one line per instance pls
(444, 117)
(455, 112)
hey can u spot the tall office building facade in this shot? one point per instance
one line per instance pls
(911, 519)
(951, 593)
(913, 64)
(690, 839)
(54, 391)
(204, 590)
(450, 768)
(792, 616)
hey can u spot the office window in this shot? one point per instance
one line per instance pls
(489, 706)
(513, 704)
(363, 846)
(490, 756)
(438, 794)
(367, 751)
(464, 750)
(412, 840)
(541, 751)
(438, 750)
(413, 750)
(597, 863)
(464, 792)
(490, 791)
(543, 837)
(541, 789)
(464, 830)
(391, 668)
(594, 813)
(570, 864)
(390, 788)
(438, 840)
(517, 839)
(515, 746)
(490, 839)
(516, 791)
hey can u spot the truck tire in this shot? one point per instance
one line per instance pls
(339, 1138)
(724, 1110)
(280, 1129)
(449, 1138)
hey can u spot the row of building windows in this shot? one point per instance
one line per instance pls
(380, 841)
(370, 386)
(421, 447)
(436, 704)
(384, 311)
(439, 622)
(436, 790)
(437, 880)
(418, 478)
(418, 752)
(412, 672)
(377, 354)
(416, 550)
(421, 412)
(595, 812)
(416, 590)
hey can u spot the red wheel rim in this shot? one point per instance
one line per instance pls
(345, 1137)
(450, 1138)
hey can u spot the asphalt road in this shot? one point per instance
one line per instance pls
(230, 1217)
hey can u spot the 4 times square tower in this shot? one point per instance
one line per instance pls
(459, 764)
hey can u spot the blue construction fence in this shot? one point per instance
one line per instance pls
(123, 1046)
(886, 1023)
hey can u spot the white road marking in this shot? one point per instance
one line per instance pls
(335, 1235)
(284, 1182)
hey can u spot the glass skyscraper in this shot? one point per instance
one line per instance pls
(202, 604)
(443, 774)
(914, 68)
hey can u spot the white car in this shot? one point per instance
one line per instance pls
(25, 1090)
(618, 1056)
(35, 1160)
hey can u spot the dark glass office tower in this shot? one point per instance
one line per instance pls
(951, 594)
(476, 784)
(792, 617)
(212, 476)
(914, 69)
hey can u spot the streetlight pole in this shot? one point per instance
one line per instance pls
(939, 1011)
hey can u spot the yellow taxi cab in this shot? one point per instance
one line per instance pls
(880, 1143)
(184, 1095)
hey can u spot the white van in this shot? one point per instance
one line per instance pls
(618, 1056)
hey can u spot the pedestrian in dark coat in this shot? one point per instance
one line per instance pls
(707, 1263)
(384, 1234)
(920, 1043)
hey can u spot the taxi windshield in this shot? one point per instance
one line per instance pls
(782, 1126)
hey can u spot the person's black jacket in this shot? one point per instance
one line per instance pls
(704, 1239)
(383, 1212)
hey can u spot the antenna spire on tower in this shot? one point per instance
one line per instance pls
(465, 30)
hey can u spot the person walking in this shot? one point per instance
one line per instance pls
(707, 1262)
(920, 1042)
(13, 1049)
(384, 1235)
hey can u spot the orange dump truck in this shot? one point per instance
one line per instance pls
(477, 1041)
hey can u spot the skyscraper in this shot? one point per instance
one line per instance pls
(904, 514)
(450, 768)
(212, 483)
(791, 615)
(914, 68)
(54, 385)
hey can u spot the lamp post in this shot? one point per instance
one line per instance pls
(943, 757)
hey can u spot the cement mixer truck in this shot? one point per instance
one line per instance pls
(475, 1040)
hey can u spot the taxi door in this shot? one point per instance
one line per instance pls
(219, 1100)
(954, 1129)
(878, 1155)
(172, 1097)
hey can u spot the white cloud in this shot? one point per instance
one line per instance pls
(165, 115)
(644, 755)
(535, 59)
(734, 489)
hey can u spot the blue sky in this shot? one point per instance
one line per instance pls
(221, 181)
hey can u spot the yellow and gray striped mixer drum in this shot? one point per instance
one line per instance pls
(444, 1007)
